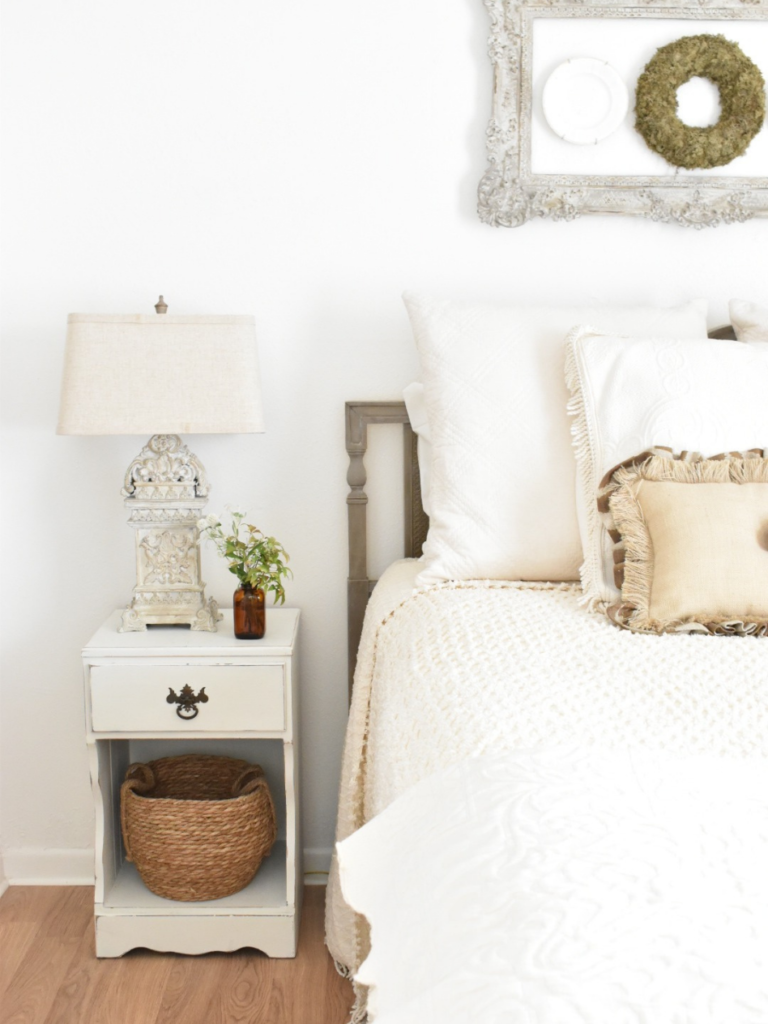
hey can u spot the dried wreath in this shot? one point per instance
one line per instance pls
(742, 101)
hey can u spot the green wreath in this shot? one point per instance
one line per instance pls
(742, 101)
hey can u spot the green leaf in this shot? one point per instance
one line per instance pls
(255, 559)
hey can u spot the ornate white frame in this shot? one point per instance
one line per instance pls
(510, 194)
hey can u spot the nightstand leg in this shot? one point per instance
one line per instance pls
(294, 870)
(108, 760)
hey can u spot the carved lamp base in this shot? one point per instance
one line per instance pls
(165, 492)
(143, 612)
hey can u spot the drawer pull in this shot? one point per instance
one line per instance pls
(187, 701)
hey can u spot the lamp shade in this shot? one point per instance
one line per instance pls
(160, 375)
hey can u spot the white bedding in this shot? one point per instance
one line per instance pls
(569, 887)
(467, 669)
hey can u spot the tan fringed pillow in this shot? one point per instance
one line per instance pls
(691, 536)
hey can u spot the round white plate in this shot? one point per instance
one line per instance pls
(584, 100)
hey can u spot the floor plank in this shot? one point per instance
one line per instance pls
(33, 986)
(28, 903)
(134, 989)
(16, 940)
(312, 991)
(243, 997)
(80, 987)
(50, 975)
(22, 910)
(189, 994)
(111, 991)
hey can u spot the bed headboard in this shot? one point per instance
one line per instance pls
(358, 416)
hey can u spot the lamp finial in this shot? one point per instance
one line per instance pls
(161, 306)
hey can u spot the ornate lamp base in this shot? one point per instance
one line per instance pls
(165, 492)
(144, 611)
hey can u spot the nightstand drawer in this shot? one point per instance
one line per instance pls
(134, 698)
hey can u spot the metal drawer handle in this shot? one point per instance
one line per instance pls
(187, 701)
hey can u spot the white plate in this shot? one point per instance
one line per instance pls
(584, 100)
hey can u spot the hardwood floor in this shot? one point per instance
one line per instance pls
(50, 975)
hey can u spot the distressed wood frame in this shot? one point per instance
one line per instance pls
(358, 417)
(510, 194)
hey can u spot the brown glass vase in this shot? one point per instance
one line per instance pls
(250, 613)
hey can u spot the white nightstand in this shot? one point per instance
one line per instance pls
(251, 712)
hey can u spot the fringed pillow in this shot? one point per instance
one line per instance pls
(691, 542)
(626, 394)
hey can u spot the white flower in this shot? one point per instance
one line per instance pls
(202, 524)
(212, 520)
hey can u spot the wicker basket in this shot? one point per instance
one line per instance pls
(196, 826)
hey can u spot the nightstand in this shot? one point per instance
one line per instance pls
(251, 712)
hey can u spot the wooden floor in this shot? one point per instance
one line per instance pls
(50, 975)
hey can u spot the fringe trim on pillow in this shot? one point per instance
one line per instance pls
(591, 569)
(618, 498)
(638, 562)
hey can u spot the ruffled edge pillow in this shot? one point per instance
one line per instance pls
(628, 394)
(632, 526)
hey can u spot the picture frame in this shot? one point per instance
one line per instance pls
(513, 190)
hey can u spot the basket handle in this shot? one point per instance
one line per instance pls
(139, 778)
(249, 781)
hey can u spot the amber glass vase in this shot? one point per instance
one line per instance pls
(250, 613)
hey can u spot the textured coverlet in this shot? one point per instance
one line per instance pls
(465, 669)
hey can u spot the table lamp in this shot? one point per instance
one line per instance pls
(163, 375)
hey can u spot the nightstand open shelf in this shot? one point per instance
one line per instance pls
(265, 895)
(251, 712)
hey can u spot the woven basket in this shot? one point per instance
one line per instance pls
(196, 826)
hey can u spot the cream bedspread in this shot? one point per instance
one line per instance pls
(464, 669)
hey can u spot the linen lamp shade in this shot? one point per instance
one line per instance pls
(164, 374)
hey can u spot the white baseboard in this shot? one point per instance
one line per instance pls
(317, 864)
(33, 866)
(3, 885)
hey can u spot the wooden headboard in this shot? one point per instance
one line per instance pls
(358, 416)
(416, 523)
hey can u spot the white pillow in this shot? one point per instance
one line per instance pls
(750, 321)
(416, 407)
(502, 492)
(630, 395)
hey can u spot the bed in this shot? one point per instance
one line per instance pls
(490, 716)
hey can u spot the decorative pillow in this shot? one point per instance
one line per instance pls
(413, 396)
(503, 480)
(750, 321)
(691, 542)
(629, 394)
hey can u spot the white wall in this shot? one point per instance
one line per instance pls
(301, 161)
